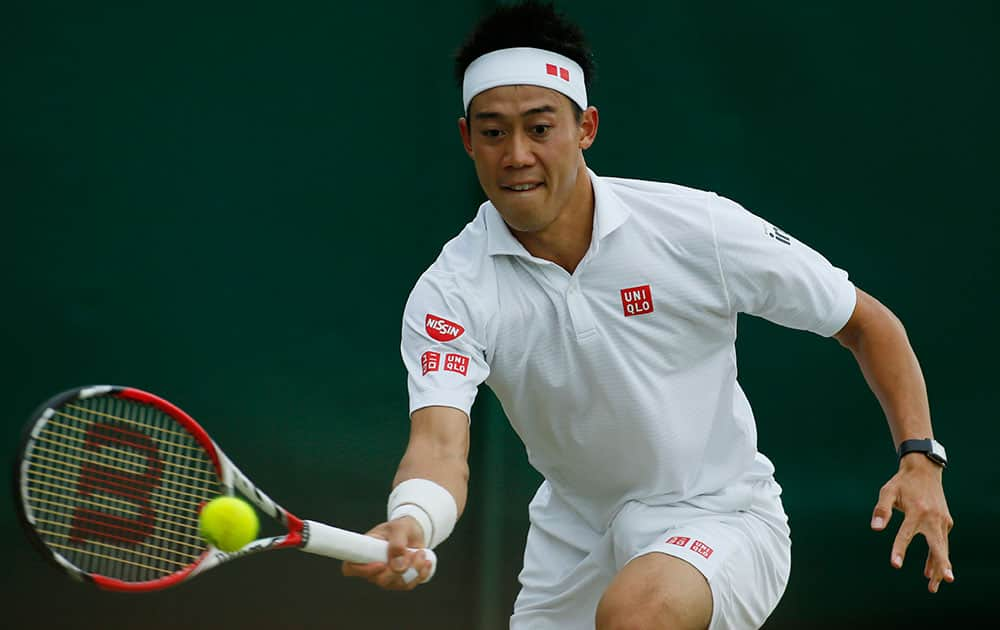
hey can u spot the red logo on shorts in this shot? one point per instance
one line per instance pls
(442, 329)
(430, 361)
(701, 548)
(680, 541)
(637, 300)
(458, 363)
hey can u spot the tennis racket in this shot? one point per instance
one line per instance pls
(110, 482)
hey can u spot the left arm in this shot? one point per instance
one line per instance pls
(880, 345)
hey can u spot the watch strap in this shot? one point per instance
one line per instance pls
(925, 446)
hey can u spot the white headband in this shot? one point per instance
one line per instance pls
(525, 66)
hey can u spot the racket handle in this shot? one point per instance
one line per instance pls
(333, 542)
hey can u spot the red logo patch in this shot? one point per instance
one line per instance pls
(637, 300)
(442, 329)
(680, 541)
(457, 363)
(430, 361)
(556, 71)
(701, 548)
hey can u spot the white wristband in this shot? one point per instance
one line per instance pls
(430, 504)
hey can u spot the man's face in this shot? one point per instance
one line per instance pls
(526, 143)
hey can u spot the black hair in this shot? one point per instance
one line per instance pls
(529, 24)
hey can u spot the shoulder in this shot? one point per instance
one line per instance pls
(665, 207)
(655, 191)
(461, 278)
(464, 259)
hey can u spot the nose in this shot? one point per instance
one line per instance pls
(519, 151)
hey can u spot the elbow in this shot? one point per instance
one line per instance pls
(870, 318)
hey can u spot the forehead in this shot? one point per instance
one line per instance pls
(511, 100)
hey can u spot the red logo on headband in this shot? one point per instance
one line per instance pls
(556, 71)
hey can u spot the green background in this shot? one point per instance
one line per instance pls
(227, 204)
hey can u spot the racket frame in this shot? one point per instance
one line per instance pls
(310, 536)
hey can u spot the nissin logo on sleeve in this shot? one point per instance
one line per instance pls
(442, 329)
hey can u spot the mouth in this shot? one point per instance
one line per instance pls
(522, 188)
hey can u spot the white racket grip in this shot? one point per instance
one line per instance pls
(333, 542)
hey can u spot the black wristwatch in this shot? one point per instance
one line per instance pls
(929, 447)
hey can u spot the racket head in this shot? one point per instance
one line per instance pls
(108, 485)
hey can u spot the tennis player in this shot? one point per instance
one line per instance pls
(602, 312)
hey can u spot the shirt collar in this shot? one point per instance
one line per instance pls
(609, 214)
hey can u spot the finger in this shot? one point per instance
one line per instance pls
(421, 568)
(882, 513)
(418, 573)
(426, 566)
(392, 581)
(411, 570)
(410, 575)
(398, 555)
(354, 569)
(388, 580)
(903, 537)
(939, 566)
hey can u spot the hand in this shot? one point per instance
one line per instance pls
(916, 491)
(401, 533)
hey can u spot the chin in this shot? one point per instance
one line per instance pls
(521, 223)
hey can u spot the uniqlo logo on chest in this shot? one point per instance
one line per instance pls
(458, 363)
(442, 329)
(430, 361)
(637, 300)
(680, 541)
(701, 548)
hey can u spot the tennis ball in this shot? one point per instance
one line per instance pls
(228, 523)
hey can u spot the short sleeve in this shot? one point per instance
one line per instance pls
(442, 344)
(768, 273)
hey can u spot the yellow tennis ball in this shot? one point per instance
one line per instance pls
(228, 523)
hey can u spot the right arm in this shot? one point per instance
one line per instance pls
(438, 450)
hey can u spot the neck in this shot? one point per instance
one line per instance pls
(566, 240)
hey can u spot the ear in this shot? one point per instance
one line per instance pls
(588, 127)
(463, 129)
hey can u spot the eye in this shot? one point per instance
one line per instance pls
(540, 130)
(491, 133)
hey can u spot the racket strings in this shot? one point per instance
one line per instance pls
(124, 515)
(124, 504)
(115, 486)
(107, 463)
(78, 430)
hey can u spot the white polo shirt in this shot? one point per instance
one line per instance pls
(620, 378)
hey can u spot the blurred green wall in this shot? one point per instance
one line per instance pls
(228, 203)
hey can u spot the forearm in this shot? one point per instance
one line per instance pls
(882, 350)
(425, 460)
(438, 451)
(879, 343)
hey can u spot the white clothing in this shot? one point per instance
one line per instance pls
(745, 556)
(620, 378)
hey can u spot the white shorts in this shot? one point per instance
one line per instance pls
(745, 556)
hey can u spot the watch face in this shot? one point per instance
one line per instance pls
(937, 452)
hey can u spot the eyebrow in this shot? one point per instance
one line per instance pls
(544, 109)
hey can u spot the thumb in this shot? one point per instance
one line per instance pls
(883, 509)
(398, 535)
